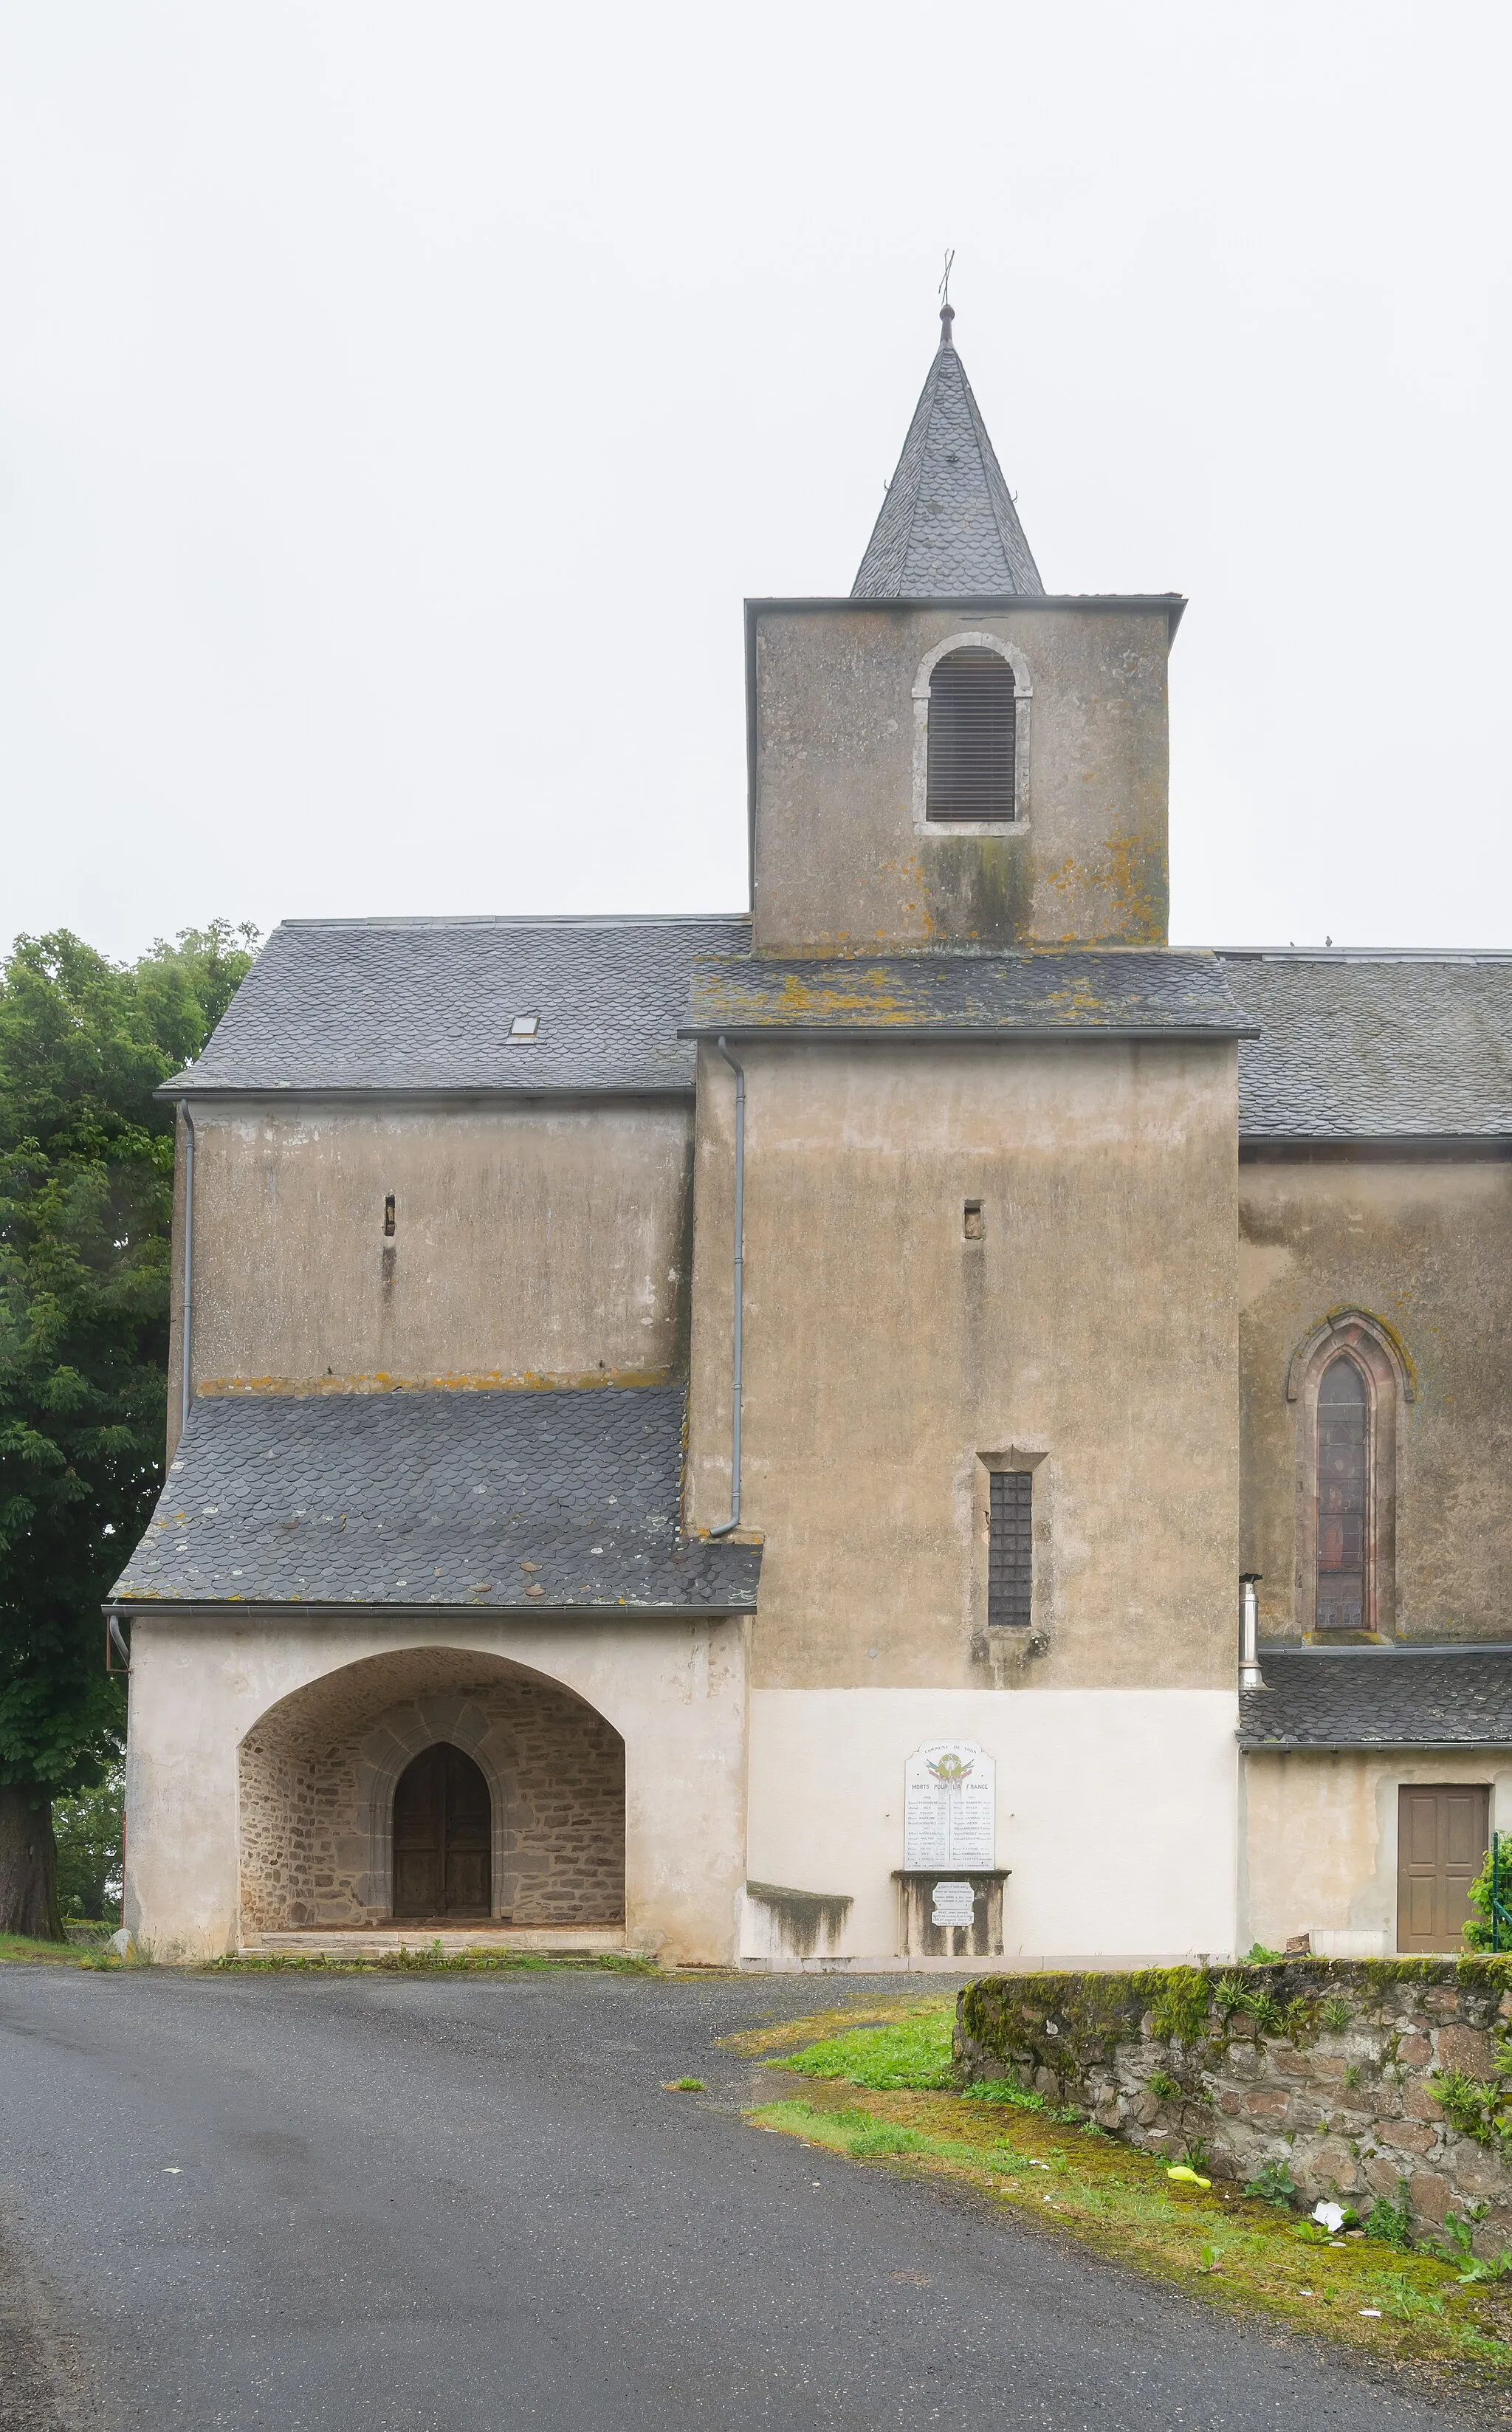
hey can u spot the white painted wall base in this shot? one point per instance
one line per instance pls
(674, 1690)
(1117, 1814)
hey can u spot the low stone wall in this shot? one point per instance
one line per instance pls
(1359, 2077)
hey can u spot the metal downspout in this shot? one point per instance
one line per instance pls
(1250, 1673)
(185, 1386)
(734, 1522)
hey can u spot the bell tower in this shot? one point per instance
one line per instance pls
(952, 756)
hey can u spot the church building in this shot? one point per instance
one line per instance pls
(755, 1439)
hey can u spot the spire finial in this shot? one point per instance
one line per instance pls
(947, 308)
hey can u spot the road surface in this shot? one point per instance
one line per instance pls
(283, 2204)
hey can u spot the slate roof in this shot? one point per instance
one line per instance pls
(948, 527)
(1032, 994)
(1382, 1046)
(427, 1004)
(436, 1498)
(1380, 1696)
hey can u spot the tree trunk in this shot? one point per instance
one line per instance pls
(29, 1864)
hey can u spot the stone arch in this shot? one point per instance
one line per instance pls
(1378, 1354)
(317, 1773)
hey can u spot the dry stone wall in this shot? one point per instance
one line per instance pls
(1362, 2080)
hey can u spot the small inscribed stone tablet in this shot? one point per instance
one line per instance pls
(949, 1802)
(954, 1904)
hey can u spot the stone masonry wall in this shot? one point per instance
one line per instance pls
(316, 1792)
(1357, 2075)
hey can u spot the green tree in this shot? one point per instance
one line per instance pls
(91, 1851)
(86, 1198)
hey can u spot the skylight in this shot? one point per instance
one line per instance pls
(525, 1025)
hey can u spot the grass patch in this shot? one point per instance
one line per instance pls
(1227, 2249)
(912, 2050)
(63, 1955)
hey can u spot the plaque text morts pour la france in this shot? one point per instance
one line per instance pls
(949, 1807)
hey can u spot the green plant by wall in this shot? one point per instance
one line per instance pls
(1335, 2014)
(1477, 1930)
(1393, 2222)
(1164, 2088)
(1274, 2184)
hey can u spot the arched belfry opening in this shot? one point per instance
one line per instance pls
(443, 1836)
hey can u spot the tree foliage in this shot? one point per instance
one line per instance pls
(86, 1196)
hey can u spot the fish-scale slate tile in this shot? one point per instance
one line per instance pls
(427, 1004)
(1380, 1696)
(1385, 1047)
(948, 527)
(521, 1499)
(993, 993)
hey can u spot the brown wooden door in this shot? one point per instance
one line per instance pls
(1443, 1834)
(442, 1830)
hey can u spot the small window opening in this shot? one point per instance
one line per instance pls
(1010, 1548)
(388, 1213)
(1343, 1484)
(972, 733)
(973, 1227)
(525, 1025)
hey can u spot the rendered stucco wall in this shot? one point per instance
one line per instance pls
(840, 860)
(1115, 1811)
(1319, 1840)
(1091, 1330)
(1426, 1245)
(536, 1240)
(675, 1692)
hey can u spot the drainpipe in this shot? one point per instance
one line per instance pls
(1250, 1674)
(186, 1386)
(115, 1638)
(734, 1522)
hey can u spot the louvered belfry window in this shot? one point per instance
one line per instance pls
(1010, 1548)
(972, 733)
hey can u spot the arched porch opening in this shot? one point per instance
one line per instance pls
(318, 1773)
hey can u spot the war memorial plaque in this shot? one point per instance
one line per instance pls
(950, 1808)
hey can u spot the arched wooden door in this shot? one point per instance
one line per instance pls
(442, 1832)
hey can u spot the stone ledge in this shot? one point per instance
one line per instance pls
(563, 1941)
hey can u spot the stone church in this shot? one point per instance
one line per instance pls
(739, 1438)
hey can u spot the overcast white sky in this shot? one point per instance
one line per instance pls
(398, 402)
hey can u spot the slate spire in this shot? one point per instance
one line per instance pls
(948, 526)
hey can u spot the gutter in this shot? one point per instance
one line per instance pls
(1037, 1035)
(725, 1527)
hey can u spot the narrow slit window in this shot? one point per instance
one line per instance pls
(973, 728)
(1010, 1549)
(1343, 1491)
(388, 1214)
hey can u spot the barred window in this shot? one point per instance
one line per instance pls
(972, 735)
(1010, 1548)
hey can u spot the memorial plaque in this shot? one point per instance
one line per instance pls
(954, 1904)
(948, 1807)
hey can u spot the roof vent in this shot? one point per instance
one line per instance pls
(525, 1025)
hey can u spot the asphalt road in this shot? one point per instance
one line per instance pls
(279, 2204)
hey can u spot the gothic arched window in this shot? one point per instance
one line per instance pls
(973, 714)
(1348, 1377)
(1343, 1495)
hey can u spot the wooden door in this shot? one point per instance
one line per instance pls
(442, 1832)
(1443, 1833)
